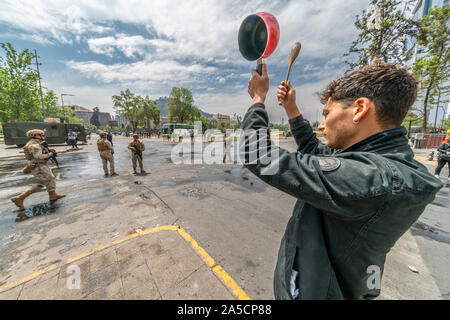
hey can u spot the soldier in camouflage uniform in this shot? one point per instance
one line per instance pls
(106, 153)
(136, 147)
(37, 157)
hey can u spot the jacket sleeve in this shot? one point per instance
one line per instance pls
(349, 187)
(131, 147)
(305, 138)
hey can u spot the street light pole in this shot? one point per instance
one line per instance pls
(62, 103)
(40, 87)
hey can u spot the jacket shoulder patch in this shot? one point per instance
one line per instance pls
(329, 163)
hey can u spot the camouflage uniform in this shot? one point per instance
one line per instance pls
(37, 156)
(106, 153)
(136, 145)
(37, 161)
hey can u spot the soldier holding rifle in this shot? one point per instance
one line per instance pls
(37, 156)
(136, 148)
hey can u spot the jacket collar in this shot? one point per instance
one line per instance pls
(388, 141)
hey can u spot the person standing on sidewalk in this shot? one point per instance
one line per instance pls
(106, 153)
(72, 139)
(443, 158)
(357, 193)
(36, 157)
(136, 147)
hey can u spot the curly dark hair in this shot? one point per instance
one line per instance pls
(392, 89)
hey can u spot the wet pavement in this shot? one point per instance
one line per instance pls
(236, 217)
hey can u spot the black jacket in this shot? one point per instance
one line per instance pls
(442, 151)
(353, 205)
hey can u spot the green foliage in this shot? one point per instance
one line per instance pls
(19, 93)
(432, 67)
(126, 104)
(206, 123)
(137, 110)
(91, 127)
(279, 127)
(148, 111)
(446, 123)
(382, 30)
(181, 106)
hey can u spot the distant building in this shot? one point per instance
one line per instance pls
(104, 118)
(86, 115)
(82, 113)
(421, 10)
(218, 118)
(121, 120)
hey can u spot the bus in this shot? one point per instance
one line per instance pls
(176, 131)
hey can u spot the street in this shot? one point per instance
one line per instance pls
(237, 219)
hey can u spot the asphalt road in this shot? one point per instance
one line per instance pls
(237, 218)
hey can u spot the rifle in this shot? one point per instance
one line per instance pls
(139, 153)
(53, 157)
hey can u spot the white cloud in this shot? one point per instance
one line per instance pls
(190, 43)
(144, 73)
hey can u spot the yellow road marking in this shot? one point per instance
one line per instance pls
(218, 270)
(230, 283)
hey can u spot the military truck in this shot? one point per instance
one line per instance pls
(56, 133)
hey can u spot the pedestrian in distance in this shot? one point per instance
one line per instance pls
(357, 193)
(136, 147)
(443, 159)
(72, 136)
(109, 137)
(106, 151)
(37, 157)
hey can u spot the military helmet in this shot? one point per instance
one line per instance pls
(135, 135)
(31, 133)
(102, 134)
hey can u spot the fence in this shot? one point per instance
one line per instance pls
(427, 140)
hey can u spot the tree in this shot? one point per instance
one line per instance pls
(148, 111)
(181, 106)
(383, 30)
(126, 104)
(206, 123)
(19, 93)
(432, 67)
(446, 123)
(95, 119)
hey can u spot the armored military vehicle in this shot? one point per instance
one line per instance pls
(15, 132)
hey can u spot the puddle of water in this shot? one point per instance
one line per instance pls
(36, 210)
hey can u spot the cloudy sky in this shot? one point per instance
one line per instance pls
(94, 49)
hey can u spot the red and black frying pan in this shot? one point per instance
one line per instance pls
(258, 37)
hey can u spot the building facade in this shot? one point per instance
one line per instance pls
(218, 119)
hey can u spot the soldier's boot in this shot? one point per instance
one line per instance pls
(52, 195)
(134, 171)
(143, 171)
(18, 200)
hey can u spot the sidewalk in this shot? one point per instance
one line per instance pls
(159, 263)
